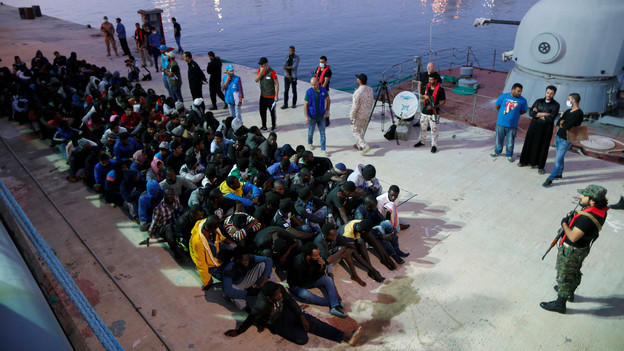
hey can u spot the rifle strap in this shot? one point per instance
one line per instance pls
(593, 219)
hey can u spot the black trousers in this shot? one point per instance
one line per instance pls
(265, 104)
(215, 89)
(196, 90)
(289, 327)
(287, 84)
(124, 46)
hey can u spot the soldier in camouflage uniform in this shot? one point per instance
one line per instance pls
(580, 231)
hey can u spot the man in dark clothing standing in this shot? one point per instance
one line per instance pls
(433, 98)
(121, 34)
(269, 90)
(214, 69)
(537, 141)
(580, 230)
(177, 33)
(290, 77)
(571, 118)
(196, 76)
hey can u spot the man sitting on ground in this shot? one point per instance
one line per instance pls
(244, 276)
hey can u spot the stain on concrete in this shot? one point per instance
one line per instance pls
(89, 291)
(86, 332)
(392, 300)
(118, 328)
(191, 346)
(567, 340)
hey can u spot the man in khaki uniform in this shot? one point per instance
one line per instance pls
(363, 101)
(109, 36)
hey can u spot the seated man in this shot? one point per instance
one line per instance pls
(125, 147)
(277, 310)
(218, 205)
(311, 210)
(220, 144)
(364, 179)
(244, 276)
(285, 219)
(307, 272)
(183, 227)
(205, 248)
(388, 208)
(265, 212)
(233, 189)
(100, 171)
(242, 228)
(338, 201)
(148, 202)
(178, 184)
(359, 234)
(333, 249)
(284, 170)
(384, 232)
(163, 220)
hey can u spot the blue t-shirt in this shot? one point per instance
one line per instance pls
(510, 108)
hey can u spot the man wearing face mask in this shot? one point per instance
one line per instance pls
(537, 141)
(323, 73)
(571, 118)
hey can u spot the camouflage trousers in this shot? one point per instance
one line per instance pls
(569, 262)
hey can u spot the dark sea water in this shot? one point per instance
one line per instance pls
(356, 35)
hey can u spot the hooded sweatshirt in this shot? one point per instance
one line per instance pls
(149, 200)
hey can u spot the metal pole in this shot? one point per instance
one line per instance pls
(430, 35)
(474, 108)
(467, 55)
(494, 60)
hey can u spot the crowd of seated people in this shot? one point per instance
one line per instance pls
(247, 211)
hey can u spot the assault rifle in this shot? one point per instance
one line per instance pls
(560, 232)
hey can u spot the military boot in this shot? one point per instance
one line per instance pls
(571, 299)
(558, 305)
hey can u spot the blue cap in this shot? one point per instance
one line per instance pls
(229, 67)
(163, 47)
(340, 168)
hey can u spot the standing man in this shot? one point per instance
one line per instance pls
(290, 76)
(580, 229)
(214, 69)
(164, 66)
(433, 98)
(109, 36)
(196, 76)
(323, 73)
(175, 77)
(537, 140)
(316, 110)
(121, 34)
(423, 79)
(155, 45)
(571, 118)
(140, 37)
(361, 108)
(513, 105)
(269, 88)
(233, 88)
(177, 33)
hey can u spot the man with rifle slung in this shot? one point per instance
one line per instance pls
(580, 230)
(434, 98)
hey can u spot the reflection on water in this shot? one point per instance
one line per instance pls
(356, 35)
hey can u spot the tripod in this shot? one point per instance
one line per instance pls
(384, 95)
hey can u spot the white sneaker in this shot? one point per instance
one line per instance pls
(366, 150)
(310, 147)
(324, 153)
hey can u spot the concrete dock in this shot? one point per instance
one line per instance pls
(479, 226)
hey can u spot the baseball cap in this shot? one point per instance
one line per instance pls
(340, 168)
(594, 191)
(263, 60)
(162, 47)
(229, 67)
(362, 77)
(171, 54)
(163, 145)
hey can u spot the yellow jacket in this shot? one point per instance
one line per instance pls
(203, 254)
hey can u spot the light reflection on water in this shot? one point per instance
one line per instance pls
(356, 35)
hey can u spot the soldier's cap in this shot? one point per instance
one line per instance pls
(594, 191)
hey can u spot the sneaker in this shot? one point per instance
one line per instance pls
(366, 150)
(273, 128)
(284, 107)
(356, 147)
(434, 149)
(336, 312)
(419, 144)
(324, 153)
(310, 147)
(263, 128)
(547, 183)
(398, 259)
(494, 154)
(293, 106)
(510, 159)
(541, 171)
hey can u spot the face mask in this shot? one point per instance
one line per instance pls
(322, 65)
(568, 103)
